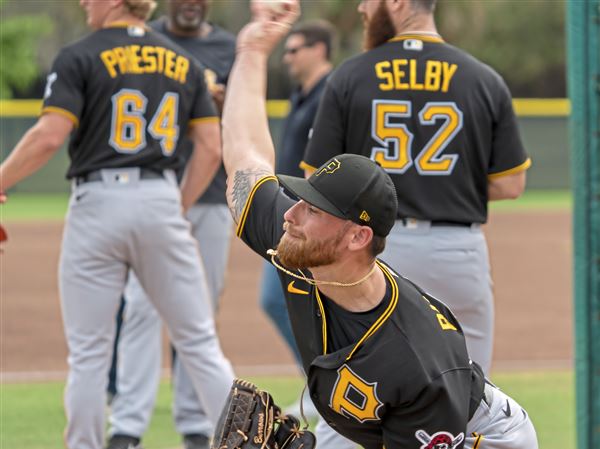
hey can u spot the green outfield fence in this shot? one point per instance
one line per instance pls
(583, 41)
(543, 124)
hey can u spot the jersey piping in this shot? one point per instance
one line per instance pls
(519, 168)
(240, 227)
(375, 326)
(421, 37)
(62, 112)
(324, 321)
(196, 121)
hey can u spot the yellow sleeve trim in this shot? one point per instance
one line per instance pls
(197, 121)
(307, 167)
(519, 168)
(63, 112)
(261, 181)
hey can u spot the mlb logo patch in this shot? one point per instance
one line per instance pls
(136, 31)
(413, 44)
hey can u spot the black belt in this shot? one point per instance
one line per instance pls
(95, 176)
(406, 221)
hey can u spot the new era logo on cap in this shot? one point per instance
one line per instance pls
(352, 187)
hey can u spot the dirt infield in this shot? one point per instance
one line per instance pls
(531, 260)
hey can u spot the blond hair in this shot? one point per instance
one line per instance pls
(142, 9)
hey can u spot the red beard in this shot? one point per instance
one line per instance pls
(296, 253)
(379, 29)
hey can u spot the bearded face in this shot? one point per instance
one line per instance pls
(299, 252)
(378, 29)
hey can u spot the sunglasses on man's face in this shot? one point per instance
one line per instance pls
(294, 50)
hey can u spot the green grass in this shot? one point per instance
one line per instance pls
(32, 417)
(42, 207)
(34, 207)
(536, 200)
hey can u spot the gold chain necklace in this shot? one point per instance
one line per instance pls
(273, 253)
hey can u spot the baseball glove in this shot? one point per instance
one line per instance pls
(251, 420)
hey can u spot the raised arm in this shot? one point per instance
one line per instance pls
(248, 152)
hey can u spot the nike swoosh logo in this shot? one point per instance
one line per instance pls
(80, 196)
(293, 289)
(506, 411)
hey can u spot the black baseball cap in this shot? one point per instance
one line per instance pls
(352, 187)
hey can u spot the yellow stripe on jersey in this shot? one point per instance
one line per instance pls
(324, 321)
(197, 121)
(519, 168)
(421, 37)
(478, 442)
(384, 316)
(261, 181)
(63, 112)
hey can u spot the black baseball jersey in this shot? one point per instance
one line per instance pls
(131, 94)
(216, 52)
(406, 371)
(438, 120)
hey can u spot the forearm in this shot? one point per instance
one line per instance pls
(245, 123)
(506, 187)
(204, 163)
(248, 151)
(30, 154)
(200, 172)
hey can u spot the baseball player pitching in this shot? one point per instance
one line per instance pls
(386, 362)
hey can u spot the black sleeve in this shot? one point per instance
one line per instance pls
(508, 151)
(439, 412)
(64, 91)
(328, 133)
(261, 222)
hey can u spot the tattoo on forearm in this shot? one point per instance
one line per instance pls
(243, 182)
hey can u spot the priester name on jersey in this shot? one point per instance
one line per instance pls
(141, 59)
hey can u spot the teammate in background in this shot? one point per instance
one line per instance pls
(140, 344)
(441, 123)
(307, 55)
(127, 94)
(387, 363)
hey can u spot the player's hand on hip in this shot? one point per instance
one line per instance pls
(271, 21)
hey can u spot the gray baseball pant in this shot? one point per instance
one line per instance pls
(113, 225)
(140, 343)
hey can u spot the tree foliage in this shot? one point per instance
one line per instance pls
(18, 50)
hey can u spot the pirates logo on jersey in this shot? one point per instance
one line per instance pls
(439, 440)
(355, 397)
(330, 168)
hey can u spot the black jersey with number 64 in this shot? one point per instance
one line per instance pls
(131, 94)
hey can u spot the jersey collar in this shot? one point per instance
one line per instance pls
(375, 326)
(422, 37)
